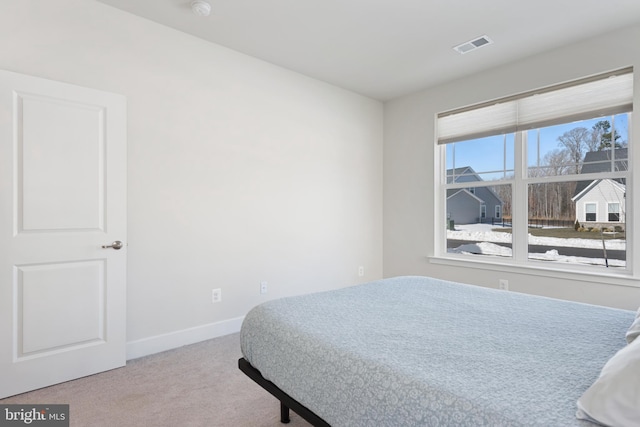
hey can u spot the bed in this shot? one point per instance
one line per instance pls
(417, 351)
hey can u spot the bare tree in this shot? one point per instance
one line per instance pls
(558, 162)
(576, 141)
(552, 200)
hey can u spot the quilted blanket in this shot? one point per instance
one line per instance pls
(416, 351)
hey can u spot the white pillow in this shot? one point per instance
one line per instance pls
(634, 329)
(614, 398)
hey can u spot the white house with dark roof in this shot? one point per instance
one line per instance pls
(601, 202)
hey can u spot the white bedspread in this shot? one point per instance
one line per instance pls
(415, 351)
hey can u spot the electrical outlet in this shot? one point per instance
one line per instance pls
(361, 271)
(263, 287)
(216, 295)
(503, 284)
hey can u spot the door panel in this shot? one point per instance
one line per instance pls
(48, 317)
(58, 194)
(62, 197)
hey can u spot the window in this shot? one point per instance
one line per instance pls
(590, 212)
(542, 163)
(614, 212)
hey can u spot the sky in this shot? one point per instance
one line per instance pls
(482, 233)
(485, 154)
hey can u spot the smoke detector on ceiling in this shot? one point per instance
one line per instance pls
(473, 44)
(201, 7)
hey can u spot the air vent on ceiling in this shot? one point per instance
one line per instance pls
(473, 44)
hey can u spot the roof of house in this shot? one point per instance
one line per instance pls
(600, 161)
(463, 191)
(461, 171)
(595, 183)
(466, 171)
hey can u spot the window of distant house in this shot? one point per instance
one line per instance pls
(590, 212)
(550, 166)
(614, 212)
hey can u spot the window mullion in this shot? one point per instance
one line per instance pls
(520, 204)
(440, 180)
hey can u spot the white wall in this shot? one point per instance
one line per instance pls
(409, 173)
(239, 171)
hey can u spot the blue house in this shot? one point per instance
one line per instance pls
(471, 205)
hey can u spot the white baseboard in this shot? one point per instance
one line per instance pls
(158, 343)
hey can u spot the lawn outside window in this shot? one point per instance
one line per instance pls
(540, 179)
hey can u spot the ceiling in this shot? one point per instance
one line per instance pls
(387, 48)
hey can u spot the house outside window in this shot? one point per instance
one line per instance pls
(545, 162)
(469, 205)
(590, 212)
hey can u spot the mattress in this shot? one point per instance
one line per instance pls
(417, 351)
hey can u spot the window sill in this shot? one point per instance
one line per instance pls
(541, 269)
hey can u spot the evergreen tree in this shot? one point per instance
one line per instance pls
(601, 136)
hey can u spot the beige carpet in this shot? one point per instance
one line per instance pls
(196, 385)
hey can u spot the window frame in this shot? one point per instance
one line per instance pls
(520, 262)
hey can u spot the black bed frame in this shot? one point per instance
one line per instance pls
(286, 402)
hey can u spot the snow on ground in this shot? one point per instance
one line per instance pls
(487, 238)
(483, 233)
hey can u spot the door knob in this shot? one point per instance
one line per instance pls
(115, 245)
